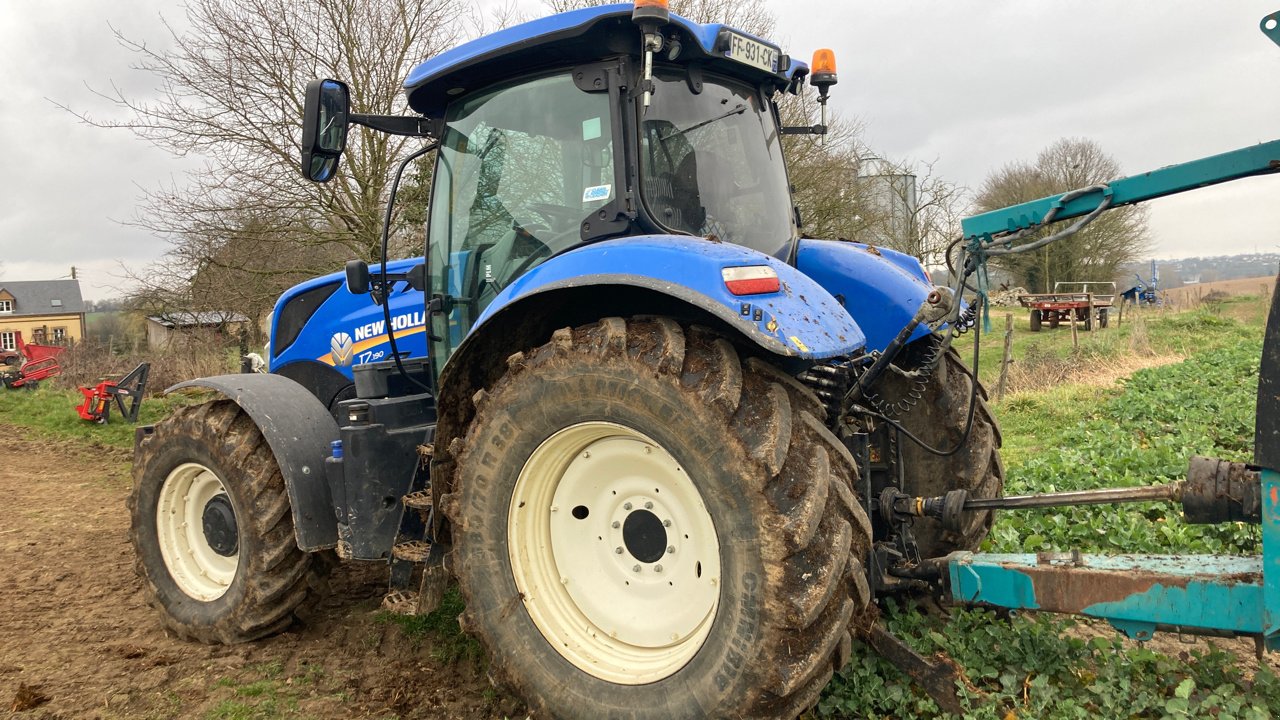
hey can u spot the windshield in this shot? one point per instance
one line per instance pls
(711, 164)
(519, 169)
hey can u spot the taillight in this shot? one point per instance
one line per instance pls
(750, 280)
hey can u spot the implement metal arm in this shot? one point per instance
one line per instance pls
(1261, 159)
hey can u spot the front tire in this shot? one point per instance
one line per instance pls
(938, 417)
(212, 528)
(725, 476)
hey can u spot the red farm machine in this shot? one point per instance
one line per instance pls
(34, 362)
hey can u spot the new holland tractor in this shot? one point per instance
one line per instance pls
(617, 404)
(668, 447)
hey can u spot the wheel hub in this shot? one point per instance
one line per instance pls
(219, 524)
(197, 532)
(614, 552)
(644, 536)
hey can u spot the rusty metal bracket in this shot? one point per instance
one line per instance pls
(938, 678)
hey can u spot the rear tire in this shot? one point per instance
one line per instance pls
(939, 418)
(238, 576)
(766, 536)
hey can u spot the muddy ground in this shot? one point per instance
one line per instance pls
(77, 639)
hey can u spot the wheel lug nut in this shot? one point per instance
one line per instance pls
(657, 568)
(671, 549)
(666, 523)
(616, 524)
(586, 455)
(648, 506)
(617, 550)
(626, 506)
(635, 568)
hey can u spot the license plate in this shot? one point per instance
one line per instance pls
(752, 52)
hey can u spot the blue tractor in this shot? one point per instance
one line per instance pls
(654, 432)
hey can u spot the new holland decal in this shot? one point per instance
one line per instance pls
(357, 347)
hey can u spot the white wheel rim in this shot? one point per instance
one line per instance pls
(197, 569)
(586, 502)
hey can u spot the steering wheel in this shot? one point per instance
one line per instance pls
(558, 216)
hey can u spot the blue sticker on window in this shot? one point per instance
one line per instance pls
(597, 193)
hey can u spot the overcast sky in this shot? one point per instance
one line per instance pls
(971, 84)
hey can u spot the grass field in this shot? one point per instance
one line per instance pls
(1129, 406)
(52, 412)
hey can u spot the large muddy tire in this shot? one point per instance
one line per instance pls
(938, 417)
(645, 526)
(213, 530)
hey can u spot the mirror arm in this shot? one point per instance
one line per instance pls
(394, 124)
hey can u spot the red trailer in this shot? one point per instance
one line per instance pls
(1082, 302)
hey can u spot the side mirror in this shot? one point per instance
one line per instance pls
(357, 277)
(324, 128)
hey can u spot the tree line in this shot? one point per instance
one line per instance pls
(246, 226)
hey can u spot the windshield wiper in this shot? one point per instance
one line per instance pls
(741, 108)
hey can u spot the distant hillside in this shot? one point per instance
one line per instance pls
(1190, 271)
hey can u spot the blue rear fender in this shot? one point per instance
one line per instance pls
(882, 289)
(801, 320)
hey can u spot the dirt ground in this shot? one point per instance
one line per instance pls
(78, 641)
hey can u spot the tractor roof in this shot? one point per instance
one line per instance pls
(565, 39)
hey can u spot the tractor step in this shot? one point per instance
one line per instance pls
(401, 602)
(412, 551)
(420, 500)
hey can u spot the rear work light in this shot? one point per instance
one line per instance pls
(750, 280)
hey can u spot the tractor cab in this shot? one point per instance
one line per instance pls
(601, 123)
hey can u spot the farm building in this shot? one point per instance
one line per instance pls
(162, 330)
(44, 311)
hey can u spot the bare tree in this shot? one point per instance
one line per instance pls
(230, 92)
(908, 207)
(824, 172)
(1097, 252)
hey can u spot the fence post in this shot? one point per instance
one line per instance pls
(1008, 356)
(1091, 322)
(1075, 337)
